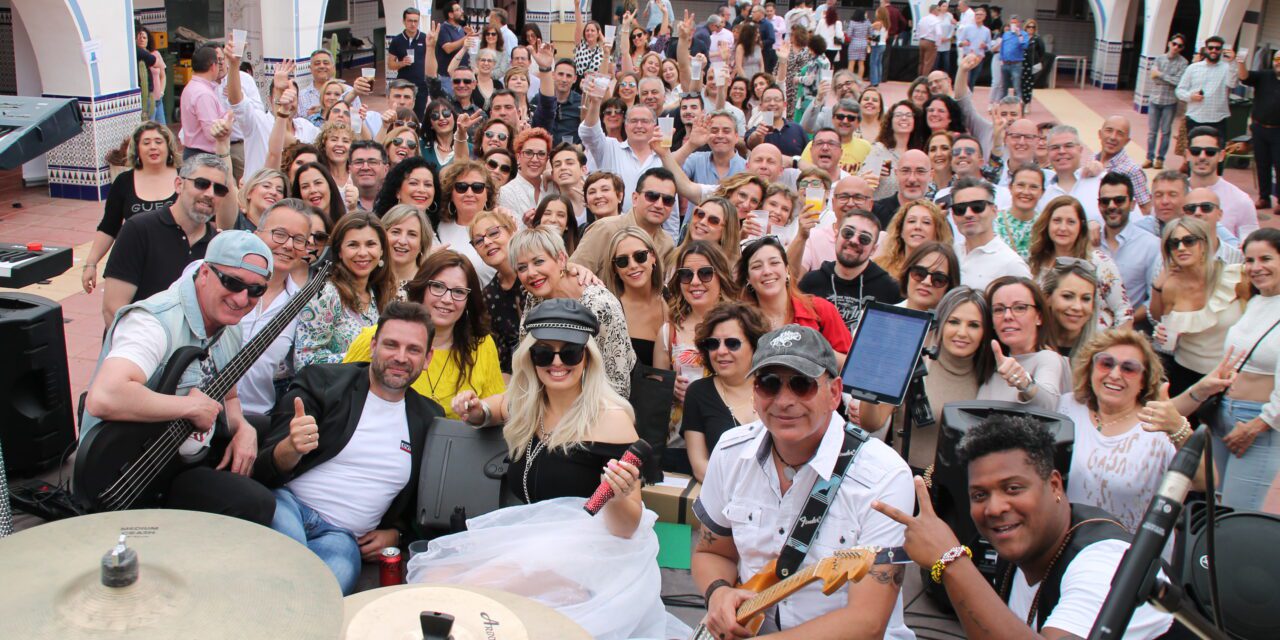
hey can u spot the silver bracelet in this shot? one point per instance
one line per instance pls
(488, 414)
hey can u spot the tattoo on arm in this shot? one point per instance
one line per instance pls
(706, 539)
(892, 574)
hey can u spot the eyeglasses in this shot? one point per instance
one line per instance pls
(505, 168)
(808, 184)
(570, 354)
(236, 285)
(1067, 263)
(629, 84)
(624, 261)
(438, 289)
(443, 114)
(491, 234)
(1176, 43)
(533, 154)
(937, 279)
(613, 111)
(203, 184)
(1204, 207)
(904, 115)
(1019, 309)
(408, 143)
(713, 344)
(1185, 241)
(280, 236)
(1203, 151)
(1108, 201)
(826, 143)
(1105, 363)
(496, 135)
(770, 385)
(461, 187)
(654, 196)
(963, 151)
(318, 238)
(685, 274)
(865, 239)
(978, 207)
(841, 198)
(711, 218)
(370, 162)
(1024, 137)
(847, 117)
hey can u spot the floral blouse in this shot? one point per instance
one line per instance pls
(326, 328)
(797, 61)
(614, 340)
(1015, 232)
(1110, 299)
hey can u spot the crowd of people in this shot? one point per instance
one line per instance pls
(524, 231)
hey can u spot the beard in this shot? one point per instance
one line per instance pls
(398, 384)
(851, 261)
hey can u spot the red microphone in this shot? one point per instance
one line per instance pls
(635, 455)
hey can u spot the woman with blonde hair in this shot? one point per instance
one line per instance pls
(517, 80)
(1062, 231)
(916, 223)
(716, 221)
(636, 279)
(400, 143)
(334, 142)
(1070, 289)
(261, 190)
(409, 238)
(491, 232)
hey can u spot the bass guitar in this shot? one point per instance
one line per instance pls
(129, 465)
(846, 565)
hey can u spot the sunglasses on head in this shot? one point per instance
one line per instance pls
(685, 274)
(1067, 263)
(236, 285)
(1106, 363)
(1203, 151)
(408, 143)
(848, 233)
(713, 344)
(977, 206)
(624, 261)
(711, 218)
(938, 279)
(505, 168)
(544, 354)
(769, 385)
(1107, 201)
(1185, 241)
(203, 184)
(1204, 207)
(461, 187)
(654, 196)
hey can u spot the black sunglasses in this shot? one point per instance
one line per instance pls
(1203, 151)
(500, 136)
(236, 285)
(1172, 244)
(865, 239)
(570, 354)
(846, 117)
(319, 237)
(505, 168)
(203, 184)
(713, 344)
(654, 196)
(769, 385)
(977, 206)
(461, 187)
(1204, 207)
(938, 279)
(443, 114)
(712, 219)
(408, 143)
(1108, 201)
(624, 261)
(685, 274)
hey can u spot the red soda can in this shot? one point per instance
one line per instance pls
(391, 567)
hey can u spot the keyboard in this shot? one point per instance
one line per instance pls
(22, 265)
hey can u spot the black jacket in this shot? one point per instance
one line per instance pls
(335, 394)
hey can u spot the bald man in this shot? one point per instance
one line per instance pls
(914, 173)
(1203, 203)
(1114, 135)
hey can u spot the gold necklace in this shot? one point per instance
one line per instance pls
(1101, 424)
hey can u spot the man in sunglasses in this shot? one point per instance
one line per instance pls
(795, 444)
(651, 205)
(154, 248)
(1205, 86)
(845, 117)
(849, 194)
(984, 255)
(1205, 153)
(1165, 72)
(852, 276)
(966, 162)
(346, 446)
(1135, 253)
(200, 310)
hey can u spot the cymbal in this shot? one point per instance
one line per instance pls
(391, 613)
(200, 576)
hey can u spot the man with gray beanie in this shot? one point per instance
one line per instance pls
(203, 310)
(756, 498)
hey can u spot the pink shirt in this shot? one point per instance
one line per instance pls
(200, 107)
(820, 247)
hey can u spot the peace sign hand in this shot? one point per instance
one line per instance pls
(928, 537)
(1009, 369)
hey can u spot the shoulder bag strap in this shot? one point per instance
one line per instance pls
(815, 508)
(1255, 346)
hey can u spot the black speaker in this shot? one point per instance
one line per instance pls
(950, 479)
(1248, 568)
(36, 424)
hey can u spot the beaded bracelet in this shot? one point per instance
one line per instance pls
(945, 561)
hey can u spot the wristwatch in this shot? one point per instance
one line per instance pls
(795, 162)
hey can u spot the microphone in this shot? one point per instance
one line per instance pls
(1136, 574)
(635, 455)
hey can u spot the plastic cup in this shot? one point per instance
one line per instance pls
(600, 85)
(815, 198)
(722, 75)
(667, 125)
(691, 372)
(473, 45)
(762, 217)
(368, 72)
(610, 32)
(239, 38)
(1170, 342)
(410, 56)
(767, 117)
(695, 68)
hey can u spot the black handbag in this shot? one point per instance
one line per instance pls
(652, 398)
(1209, 412)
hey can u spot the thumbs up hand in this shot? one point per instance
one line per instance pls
(1161, 414)
(1010, 369)
(304, 435)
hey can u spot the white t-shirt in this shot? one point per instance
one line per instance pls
(353, 489)
(459, 239)
(927, 28)
(988, 262)
(257, 388)
(1085, 586)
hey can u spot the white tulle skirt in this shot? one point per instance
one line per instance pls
(555, 553)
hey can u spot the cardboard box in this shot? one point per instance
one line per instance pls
(673, 499)
(561, 32)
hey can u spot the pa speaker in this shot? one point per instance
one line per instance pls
(36, 424)
(1248, 568)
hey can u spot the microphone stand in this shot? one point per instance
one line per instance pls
(915, 405)
(1172, 599)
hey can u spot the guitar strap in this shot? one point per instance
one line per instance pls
(815, 508)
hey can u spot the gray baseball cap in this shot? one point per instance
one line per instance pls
(230, 248)
(798, 348)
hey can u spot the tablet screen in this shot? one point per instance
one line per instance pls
(884, 352)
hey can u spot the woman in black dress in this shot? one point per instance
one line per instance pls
(636, 278)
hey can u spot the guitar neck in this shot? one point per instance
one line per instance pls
(775, 594)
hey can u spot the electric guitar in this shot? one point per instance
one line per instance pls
(128, 465)
(846, 565)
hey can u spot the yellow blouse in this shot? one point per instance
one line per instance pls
(440, 379)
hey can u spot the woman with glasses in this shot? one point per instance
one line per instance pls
(1070, 289)
(1196, 299)
(409, 239)
(517, 80)
(627, 89)
(491, 39)
(360, 286)
(494, 134)
(916, 223)
(401, 143)
(317, 245)
(411, 182)
(491, 233)
(438, 145)
(261, 190)
(636, 279)
(464, 356)
(466, 189)
(501, 164)
(963, 335)
(613, 113)
(714, 221)
(602, 194)
(903, 128)
(765, 280)
(314, 185)
(932, 271)
(1062, 231)
(1028, 370)
(1033, 58)
(939, 150)
(1015, 224)
(723, 399)
(556, 212)
(486, 82)
(589, 52)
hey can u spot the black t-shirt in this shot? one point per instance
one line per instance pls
(152, 251)
(847, 295)
(123, 203)
(706, 412)
(884, 208)
(1266, 100)
(399, 47)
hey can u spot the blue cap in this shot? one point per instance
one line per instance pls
(230, 248)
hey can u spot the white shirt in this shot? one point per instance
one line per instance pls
(1085, 585)
(1084, 190)
(927, 27)
(966, 17)
(353, 489)
(257, 388)
(616, 157)
(459, 239)
(251, 94)
(1238, 214)
(988, 262)
(946, 30)
(723, 35)
(740, 497)
(519, 196)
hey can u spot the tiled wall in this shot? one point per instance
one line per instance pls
(78, 167)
